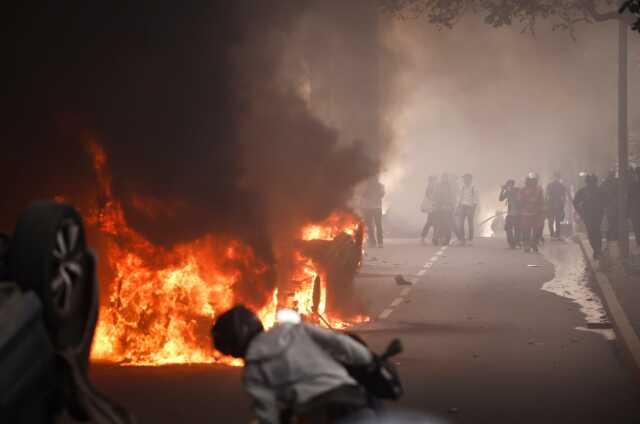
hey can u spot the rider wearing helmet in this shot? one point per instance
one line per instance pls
(293, 368)
(532, 212)
(589, 202)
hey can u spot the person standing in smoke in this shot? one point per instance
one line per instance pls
(532, 212)
(443, 205)
(427, 207)
(589, 202)
(372, 211)
(634, 205)
(610, 192)
(556, 197)
(466, 208)
(510, 194)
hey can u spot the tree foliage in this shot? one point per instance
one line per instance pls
(633, 7)
(564, 14)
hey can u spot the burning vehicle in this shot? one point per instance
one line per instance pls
(159, 301)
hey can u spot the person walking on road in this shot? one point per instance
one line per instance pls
(372, 211)
(510, 194)
(556, 197)
(427, 207)
(466, 208)
(589, 202)
(634, 205)
(532, 213)
(443, 205)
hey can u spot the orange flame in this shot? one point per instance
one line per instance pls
(161, 302)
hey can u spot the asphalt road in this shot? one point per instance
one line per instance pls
(483, 344)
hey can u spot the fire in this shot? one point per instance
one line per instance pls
(327, 230)
(161, 302)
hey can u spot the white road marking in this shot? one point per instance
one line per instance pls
(405, 291)
(385, 314)
(396, 302)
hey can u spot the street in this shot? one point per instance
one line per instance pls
(174, 170)
(483, 344)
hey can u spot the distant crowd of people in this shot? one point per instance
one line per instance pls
(450, 210)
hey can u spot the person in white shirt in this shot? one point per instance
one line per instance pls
(467, 204)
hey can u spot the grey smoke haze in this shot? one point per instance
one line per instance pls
(255, 117)
(498, 103)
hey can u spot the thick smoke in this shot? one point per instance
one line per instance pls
(199, 110)
(499, 103)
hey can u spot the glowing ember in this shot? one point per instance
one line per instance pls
(161, 302)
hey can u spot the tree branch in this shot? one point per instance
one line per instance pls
(590, 7)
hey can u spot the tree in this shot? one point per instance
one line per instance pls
(564, 15)
(633, 7)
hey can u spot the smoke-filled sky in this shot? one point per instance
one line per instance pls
(199, 109)
(498, 103)
(253, 117)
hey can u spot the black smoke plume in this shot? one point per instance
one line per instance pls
(195, 107)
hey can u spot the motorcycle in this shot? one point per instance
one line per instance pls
(379, 381)
(382, 380)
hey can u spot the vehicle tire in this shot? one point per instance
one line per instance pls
(49, 256)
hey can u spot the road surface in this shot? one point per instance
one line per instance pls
(491, 335)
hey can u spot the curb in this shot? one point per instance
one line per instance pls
(621, 325)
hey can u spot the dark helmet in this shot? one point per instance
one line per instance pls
(234, 330)
(591, 179)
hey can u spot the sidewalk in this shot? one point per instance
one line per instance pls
(625, 282)
(619, 283)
